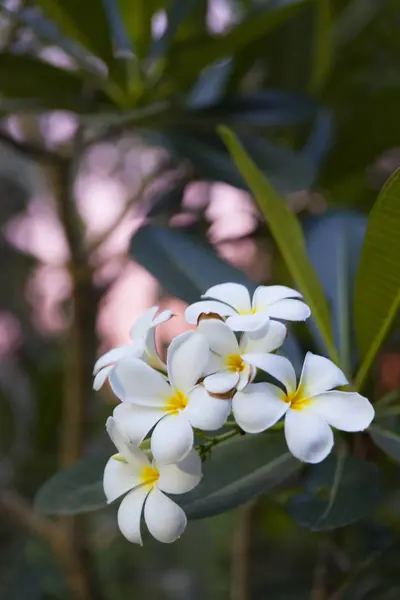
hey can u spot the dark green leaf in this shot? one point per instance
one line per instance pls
(386, 440)
(288, 171)
(237, 472)
(210, 86)
(339, 491)
(334, 243)
(25, 77)
(176, 15)
(75, 490)
(137, 17)
(121, 44)
(288, 236)
(184, 264)
(85, 22)
(188, 59)
(377, 292)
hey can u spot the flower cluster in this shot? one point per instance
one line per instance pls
(209, 374)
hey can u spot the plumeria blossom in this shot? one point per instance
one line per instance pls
(310, 409)
(172, 407)
(130, 472)
(143, 346)
(232, 300)
(232, 364)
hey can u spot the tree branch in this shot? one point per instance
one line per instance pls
(32, 151)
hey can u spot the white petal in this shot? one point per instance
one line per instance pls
(347, 411)
(186, 360)
(143, 324)
(258, 407)
(308, 436)
(215, 363)
(291, 310)
(193, 311)
(220, 383)
(277, 366)
(245, 377)
(130, 513)
(319, 374)
(135, 457)
(247, 322)
(206, 412)
(172, 439)
(142, 384)
(220, 337)
(101, 377)
(118, 479)
(234, 294)
(267, 339)
(150, 354)
(135, 422)
(180, 477)
(265, 295)
(165, 520)
(113, 356)
(116, 385)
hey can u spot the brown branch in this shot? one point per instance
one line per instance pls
(32, 151)
(320, 584)
(241, 550)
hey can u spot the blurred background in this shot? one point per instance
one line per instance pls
(116, 194)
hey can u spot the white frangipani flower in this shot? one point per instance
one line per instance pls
(232, 363)
(130, 472)
(232, 300)
(174, 407)
(143, 346)
(310, 409)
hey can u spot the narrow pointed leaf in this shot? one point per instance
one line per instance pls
(386, 440)
(377, 292)
(288, 236)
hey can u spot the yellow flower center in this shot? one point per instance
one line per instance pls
(175, 403)
(245, 311)
(235, 363)
(296, 400)
(149, 475)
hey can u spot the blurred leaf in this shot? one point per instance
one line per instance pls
(74, 490)
(184, 264)
(339, 491)
(210, 86)
(320, 139)
(121, 44)
(354, 17)
(288, 236)
(187, 59)
(27, 77)
(86, 22)
(237, 472)
(288, 171)
(334, 242)
(137, 18)
(386, 440)
(377, 292)
(264, 108)
(175, 17)
(322, 54)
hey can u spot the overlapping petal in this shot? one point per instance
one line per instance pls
(130, 514)
(347, 411)
(308, 436)
(179, 478)
(172, 439)
(289, 310)
(206, 412)
(258, 407)
(129, 451)
(207, 307)
(248, 322)
(219, 336)
(266, 339)
(118, 479)
(221, 383)
(319, 374)
(234, 294)
(142, 384)
(135, 422)
(277, 366)
(187, 359)
(165, 520)
(266, 295)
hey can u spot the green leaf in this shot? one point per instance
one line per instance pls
(137, 18)
(322, 54)
(339, 491)
(74, 490)
(85, 22)
(184, 264)
(187, 59)
(121, 44)
(25, 77)
(386, 440)
(288, 236)
(334, 242)
(377, 292)
(237, 472)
